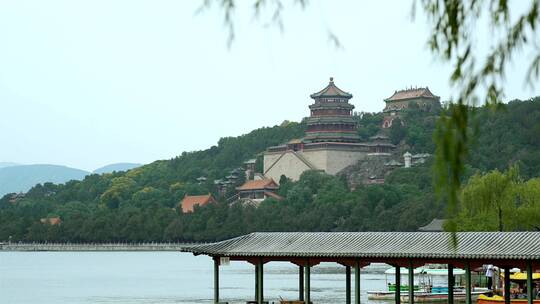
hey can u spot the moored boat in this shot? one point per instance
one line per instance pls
(483, 299)
(390, 292)
(518, 294)
(429, 297)
(424, 287)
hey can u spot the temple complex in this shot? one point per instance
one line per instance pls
(331, 142)
(401, 100)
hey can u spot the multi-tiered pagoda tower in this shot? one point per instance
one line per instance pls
(331, 117)
(331, 142)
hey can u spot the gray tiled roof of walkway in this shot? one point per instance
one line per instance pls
(426, 245)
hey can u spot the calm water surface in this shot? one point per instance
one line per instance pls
(157, 277)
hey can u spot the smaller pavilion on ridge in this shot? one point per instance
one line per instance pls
(258, 190)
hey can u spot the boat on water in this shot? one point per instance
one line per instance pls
(483, 299)
(517, 292)
(389, 293)
(429, 297)
(424, 287)
(383, 295)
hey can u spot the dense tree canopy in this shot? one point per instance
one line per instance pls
(500, 201)
(138, 205)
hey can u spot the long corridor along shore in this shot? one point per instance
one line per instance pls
(93, 247)
(358, 249)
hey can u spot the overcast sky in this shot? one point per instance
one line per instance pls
(88, 83)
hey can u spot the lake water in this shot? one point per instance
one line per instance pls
(158, 277)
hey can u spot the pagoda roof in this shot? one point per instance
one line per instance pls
(295, 141)
(189, 202)
(411, 94)
(330, 120)
(350, 136)
(331, 105)
(261, 184)
(331, 90)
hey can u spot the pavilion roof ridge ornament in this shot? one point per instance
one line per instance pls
(411, 93)
(331, 90)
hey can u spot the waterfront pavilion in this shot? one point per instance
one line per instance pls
(358, 249)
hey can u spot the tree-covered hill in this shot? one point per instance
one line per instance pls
(137, 205)
(507, 136)
(502, 137)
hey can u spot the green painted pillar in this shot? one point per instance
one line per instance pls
(260, 293)
(357, 283)
(507, 285)
(348, 284)
(216, 280)
(468, 284)
(256, 282)
(261, 283)
(398, 285)
(451, 283)
(411, 282)
(301, 283)
(307, 282)
(530, 286)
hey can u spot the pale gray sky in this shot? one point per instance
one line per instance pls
(88, 83)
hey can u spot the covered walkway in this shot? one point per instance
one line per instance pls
(358, 249)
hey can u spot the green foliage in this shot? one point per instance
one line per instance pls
(119, 191)
(508, 135)
(499, 201)
(230, 152)
(137, 205)
(397, 131)
(369, 124)
(419, 126)
(317, 202)
(452, 149)
(133, 205)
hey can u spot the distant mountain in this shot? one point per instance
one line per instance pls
(7, 164)
(116, 167)
(23, 177)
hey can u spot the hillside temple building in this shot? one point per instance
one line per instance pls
(189, 202)
(331, 141)
(401, 100)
